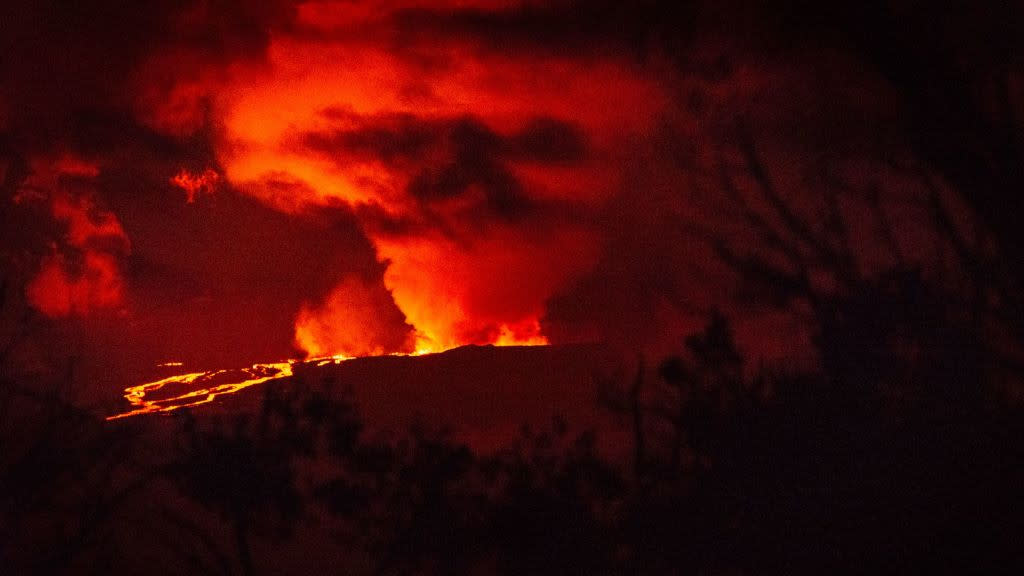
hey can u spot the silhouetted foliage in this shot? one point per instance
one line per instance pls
(900, 449)
(896, 455)
(65, 478)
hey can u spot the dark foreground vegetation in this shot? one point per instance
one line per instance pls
(898, 449)
(893, 459)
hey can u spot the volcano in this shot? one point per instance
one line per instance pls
(485, 396)
(509, 287)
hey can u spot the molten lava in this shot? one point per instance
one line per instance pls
(207, 390)
(205, 387)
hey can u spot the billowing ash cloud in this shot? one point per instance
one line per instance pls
(342, 177)
(474, 173)
(357, 318)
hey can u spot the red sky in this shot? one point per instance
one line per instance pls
(467, 171)
(218, 183)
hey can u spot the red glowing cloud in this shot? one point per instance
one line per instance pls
(474, 172)
(83, 271)
(63, 289)
(194, 184)
(349, 323)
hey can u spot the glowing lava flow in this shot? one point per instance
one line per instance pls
(256, 374)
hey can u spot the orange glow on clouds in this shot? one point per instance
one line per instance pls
(83, 271)
(193, 184)
(61, 290)
(491, 291)
(344, 112)
(349, 324)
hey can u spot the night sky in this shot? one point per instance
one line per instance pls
(773, 248)
(216, 184)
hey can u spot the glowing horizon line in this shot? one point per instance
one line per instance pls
(136, 395)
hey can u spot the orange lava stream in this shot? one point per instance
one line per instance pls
(258, 374)
(136, 395)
